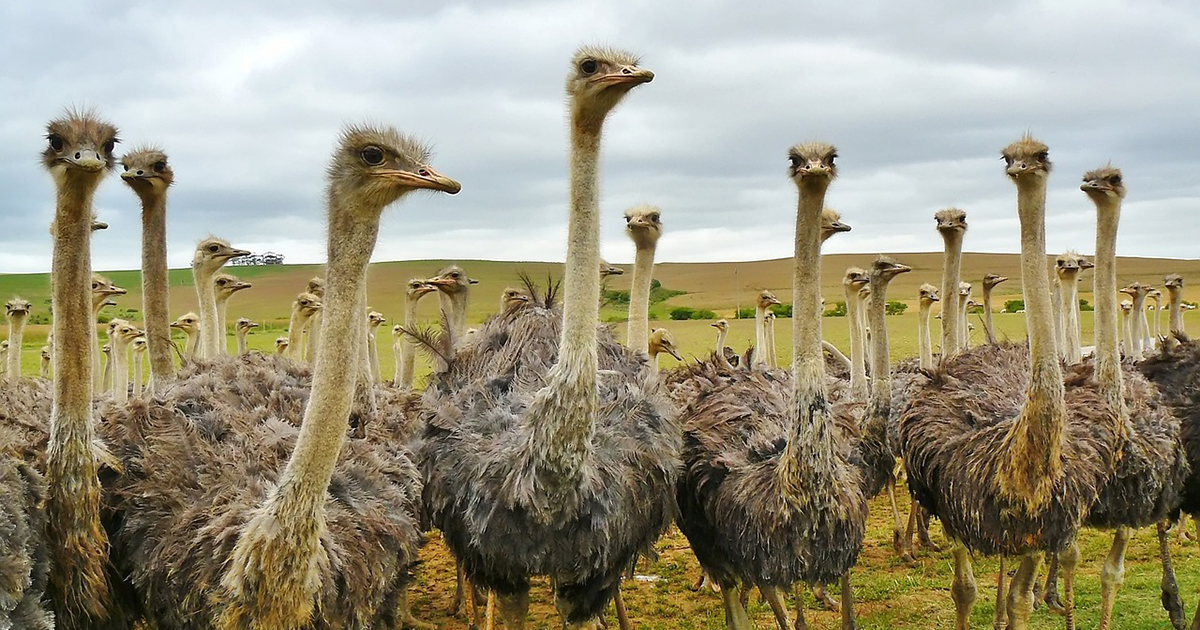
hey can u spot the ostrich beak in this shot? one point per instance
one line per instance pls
(629, 75)
(426, 178)
(86, 159)
(838, 226)
(674, 353)
(99, 225)
(1086, 264)
(898, 268)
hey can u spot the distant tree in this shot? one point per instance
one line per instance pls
(838, 310)
(782, 310)
(1084, 306)
(895, 307)
(1014, 306)
(682, 312)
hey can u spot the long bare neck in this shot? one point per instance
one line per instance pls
(722, 333)
(155, 290)
(300, 497)
(1106, 354)
(952, 269)
(639, 297)
(295, 327)
(206, 297)
(241, 341)
(964, 331)
(858, 362)
(1060, 327)
(373, 350)
(988, 329)
(564, 410)
(772, 354)
(924, 342)
(1035, 440)
(193, 345)
(760, 335)
(222, 330)
(1176, 308)
(406, 365)
(454, 311)
(16, 333)
(314, 336)
(106, 380)
(120, 372)
(94, 343)
(1137, 324)
(1072, 345)
(78, 587)
(137, 375)
(881, 368)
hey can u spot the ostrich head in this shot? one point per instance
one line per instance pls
(1104, 184)
(316, 286)
(244, 324)
(97, 224)
(375, 319)
(831, 223)
(1026, 158)
(991, 280)
(607, 270)
(17, 307)
(599, 78)
(964, 290)
(662, 341)
(375, 166)
(721, 325)
(452, 280)
(643, 225)
(103, 287)
(147, 171)
(228, 284)
(79, 149)
(767, 299)
(855, 278)
(927, 294)
(281, 344)
(1070, 263)
(1126, 305)
(951, 221)
(123, 331)
(212, 253)
(1173, 282)
(886, 268)
(189, 323)
(513, 298)
(811, 165)
(138, 345)
(307, 303)
(417, 287)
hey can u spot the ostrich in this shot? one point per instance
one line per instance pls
(102, 291)
(17, 310)
(4, 354)
(416, 289)
(243, 326)
(106, 379)
(1148, 481)
(226, 285)
(512, 298)
(723, 351)
(952, 226)
(281, 345)
(303, 308)
(1173, 283)
(1157, 296)
(1067, 267)
(323, 537)
(643, 225)
(375, 319)
(312, 330)
(189, 325)
(454, 288)
(44, 369)
(964, 301)
(772, 354)
(535, 461)
(211, 254)
(765, 300)
(1137, 314)
(120, 334)
(927, 294)
(149, 175)
(855, 279)
(661, 342)
(138, 351)
(1009, 471)
(990, 282)
(1126, 328)
(773, 498)
(79, 153)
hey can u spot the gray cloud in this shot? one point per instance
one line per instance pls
(247, 99)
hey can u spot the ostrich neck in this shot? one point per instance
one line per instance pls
(241, 341)
(1176, 307)
(300, 497)
(639, 296)
(313, 328)
(120, 372)
(881, 369)
(373, 351)
(137, 374)
(295, 326)
(454, 310)
(987, 315)
(1035, 440)
(721, 335)
(222, 310)
(16, 333)
(924, 342)
(73, 489)
(206, 297)
(1106, 355)
(155, 290)
(94, 342)
(1138, 325)
(1072, 344)
(772, 355)
(760, 335)
(952, 265)
(563, 411)
(964, 332)
(858, 362)
(193, 345)
(408, 355)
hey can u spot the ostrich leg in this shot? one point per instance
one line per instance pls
(1171, 600)
(1020, 593)
(801, 623)
(1112, 575)
(848, 622)
(1050, 592)
(513, 609)
(622, 614)
(822, 597)
(1069, 560)
(1000, 620)
(898, 545)
(774, 598)
(736, 617)
(963, 589)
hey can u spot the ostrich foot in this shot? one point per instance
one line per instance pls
(1000, 619)
(824, 599)
(1112, 575)
(898, 542)
(744, 597)
(458, 605)
(704, 581)
(923, 532)
(848, 621)
(963, 589)
(1050, 591)
(514, 609)
(1020, 593)
(909, 554)
(1171, 600)
(1069, 560)
(407, 620)
(775, 599)
(736, 617)
(801, 623)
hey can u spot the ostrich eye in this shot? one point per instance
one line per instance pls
(213, 248)
(109, 146)
(56, 142)
(1114, 180)
(795, 160)
(829, 160)
(589, 66)
(654, 217)
(372, 156)
(160, 166)
(1043, 156)
(126, 166)
(1007, 159)
(95, 286)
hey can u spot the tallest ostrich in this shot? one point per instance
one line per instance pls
(535, 462)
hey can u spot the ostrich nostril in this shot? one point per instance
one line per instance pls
(626, 71)
(78, 155)
(141, 172)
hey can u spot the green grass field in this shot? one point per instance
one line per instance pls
(889, 593)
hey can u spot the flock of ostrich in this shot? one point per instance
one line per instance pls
(294, 489)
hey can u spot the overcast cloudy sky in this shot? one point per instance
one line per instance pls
(247, 99)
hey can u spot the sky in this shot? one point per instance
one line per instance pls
(247, 100)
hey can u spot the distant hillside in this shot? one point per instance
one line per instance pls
(718, 286)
